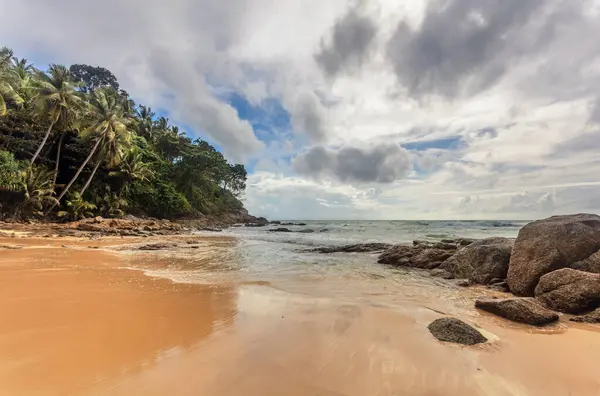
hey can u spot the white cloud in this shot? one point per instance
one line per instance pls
(528, 74)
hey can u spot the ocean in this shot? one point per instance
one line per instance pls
(281, 260)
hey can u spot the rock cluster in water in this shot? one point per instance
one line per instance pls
(553, 265)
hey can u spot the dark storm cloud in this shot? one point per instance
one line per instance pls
(384, 163)
(465, 46)
(350, 42)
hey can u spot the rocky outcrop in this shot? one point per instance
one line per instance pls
(592, 317)
(522, 310)
(355, 248)
(550, 244)
(440, 273)
(425, 256)
(568, 290)
(481, 261)
(456, 331)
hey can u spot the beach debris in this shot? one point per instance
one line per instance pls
(592, 317)
(354, 248)
(481, 261)
(456, 331)
(522, 310)
(546, 245)
(570, 291)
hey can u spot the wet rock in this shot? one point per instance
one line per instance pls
(440, 273)
(300, 224)
(280, 230)
(501, 286)
(464, 283)
(460, 241)
(324, 230)
(522, 310)
(356, 248)
(308, 231)
(481, 261)
(419, 256)
(255, 225)
(568, 290)
(158, 246)
(276, 222)
(456, 331)
(592, 317)
(551, 244)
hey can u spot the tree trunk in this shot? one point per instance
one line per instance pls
(89, 180)
(42, 144)
(62, 136)
(62, 194)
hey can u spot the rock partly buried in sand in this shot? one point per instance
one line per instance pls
(550, 244)
(592, 317)
(11, 247)
(568, 290)
(158, 246)
(356, 248)
(456, 331)
(481, 261)
(419, 256)
(280, 230)
(522, 310)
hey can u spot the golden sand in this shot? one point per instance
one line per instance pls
(73, 323)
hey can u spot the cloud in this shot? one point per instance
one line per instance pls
(349, 45)
(384, 163)
(464, 46)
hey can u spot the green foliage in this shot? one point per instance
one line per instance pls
(118, 155)
(10, 169)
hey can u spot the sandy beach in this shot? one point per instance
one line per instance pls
(75, 321)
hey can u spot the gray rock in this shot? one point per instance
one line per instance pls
(568, 290)
(280, 230)
(522, 310)
(456, 331)
(464, 283)
(308, 231)
(481, 261)
(592, 317)
(548, 245)
(501, 286)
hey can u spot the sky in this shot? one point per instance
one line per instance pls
(380, 109)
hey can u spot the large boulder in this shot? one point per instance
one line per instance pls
(590, 264)
(568, 290)
(550, 244)
(455, 330)
(481, 261)
(419, 256)
(522, 310)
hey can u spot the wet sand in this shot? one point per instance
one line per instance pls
(74, 323)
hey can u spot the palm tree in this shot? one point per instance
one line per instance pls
(108, 125)
(57, 101)
(132, 168)
(22, 73)
(145, 123)
(7, 83)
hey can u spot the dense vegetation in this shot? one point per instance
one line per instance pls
(73, 145)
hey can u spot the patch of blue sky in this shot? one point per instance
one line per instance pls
(449, 143)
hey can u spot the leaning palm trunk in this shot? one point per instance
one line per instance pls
(62, 136)
(89, 180)
(62, 194)
(42, 144)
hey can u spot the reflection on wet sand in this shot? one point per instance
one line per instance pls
(76, 324)
(71, 321)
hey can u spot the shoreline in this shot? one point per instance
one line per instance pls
(80, 323)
